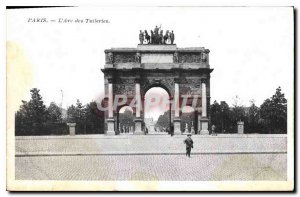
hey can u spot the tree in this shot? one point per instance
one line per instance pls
(252, 121)
(163, 120)
(80, 112)
(94, 118)
(71, 114)
(54, 113)
(220, 116)
(76, 113)
(32, 115)
(237, 114)
(274, 113)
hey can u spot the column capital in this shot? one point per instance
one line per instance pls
(110, 80)
(137, 80)
(204, 81)
(177, 80)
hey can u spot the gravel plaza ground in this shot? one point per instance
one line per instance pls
(152, 157)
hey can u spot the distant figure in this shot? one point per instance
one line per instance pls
(152, 37)
(147, 37)
(169, 37)
(156, 29)
(166, 36)
(141, 37)
(213, 130)
(161, 37)
(146, 131)
(189, 145)
(172, 37)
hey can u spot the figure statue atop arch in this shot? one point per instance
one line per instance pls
(156, 36)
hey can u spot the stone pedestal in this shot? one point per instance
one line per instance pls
(240, 127)
(192, 130)
(186, 129)
(177, 130)
(138, 127)
(71, 128)
(204, 127)
(110, 127)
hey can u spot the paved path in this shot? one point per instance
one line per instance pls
(208, 167)
(151, 144)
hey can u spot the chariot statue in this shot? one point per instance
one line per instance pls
(157, 36)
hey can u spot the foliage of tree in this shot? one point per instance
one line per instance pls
(270, 117)
(220, 115)
(273, 113)
(88, 118)
(71, 114)
(163, 121)
(32, 114)
(34, 118)
(252, 124)
(93, 119)
(54, 113)
(238, 112)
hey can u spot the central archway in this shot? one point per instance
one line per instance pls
(157, 110)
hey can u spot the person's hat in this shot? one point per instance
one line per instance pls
(189, 134)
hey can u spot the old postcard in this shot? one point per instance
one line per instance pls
(150, 98)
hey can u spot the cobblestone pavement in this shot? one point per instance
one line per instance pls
(49, 145)
(201, 167)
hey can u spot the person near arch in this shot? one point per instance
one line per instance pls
(189, 145)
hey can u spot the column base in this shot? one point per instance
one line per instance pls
(192, 130)
(110, 127)
(177, 123)
(138, 127)
(72, 127)
(204, 127)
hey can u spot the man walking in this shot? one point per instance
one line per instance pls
(189, 145)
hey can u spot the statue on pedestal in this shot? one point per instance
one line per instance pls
(186, 130)
(141, 37)
(161, 37)
(166, 37)
(147, 37)
(156, 36)
(192, 128)
(172, 37)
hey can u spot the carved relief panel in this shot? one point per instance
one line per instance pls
(189, 58)
(125, 57)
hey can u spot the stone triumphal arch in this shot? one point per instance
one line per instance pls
(183, 72)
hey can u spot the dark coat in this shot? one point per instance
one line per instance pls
(189, 143)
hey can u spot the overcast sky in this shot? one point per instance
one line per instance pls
(251, 48)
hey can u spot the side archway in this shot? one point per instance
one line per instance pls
(125, 120)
